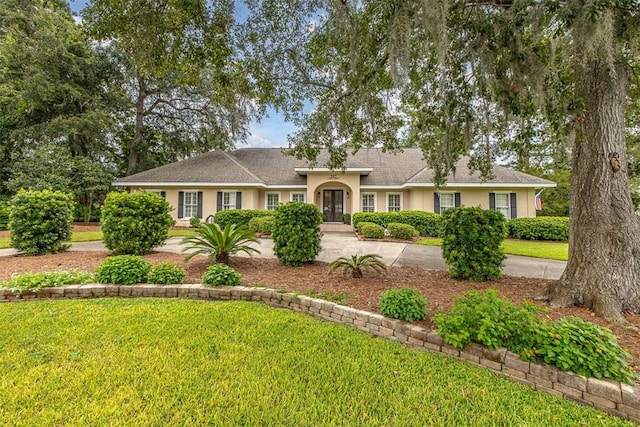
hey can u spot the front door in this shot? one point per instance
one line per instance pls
(332, 205)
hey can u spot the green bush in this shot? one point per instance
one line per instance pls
(587, 349)
(296, 233)
(402, 231)
(427, 223)
(135, 223)
(221, 275)
(540, 228)
(166, 273)
(123, 270)
(372, 231)
(261, 224)
(46, 279)
(210, 240)
(362, 224)
(484, 318)
(239, 216)
(471, 243)
(40, 221)
(4, 215)
(194, 221)
(405, 304)
(357, 264)
(571, 344)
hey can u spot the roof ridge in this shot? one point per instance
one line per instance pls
(243, 167)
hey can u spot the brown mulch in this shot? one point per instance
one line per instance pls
(363, 293)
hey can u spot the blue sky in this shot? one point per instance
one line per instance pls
(271, 131)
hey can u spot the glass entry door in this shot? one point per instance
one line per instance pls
(332, 205)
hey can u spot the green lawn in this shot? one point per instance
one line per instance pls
(532, 248)
(184, 362)
(91, 236)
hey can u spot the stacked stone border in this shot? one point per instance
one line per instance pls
(621, 400)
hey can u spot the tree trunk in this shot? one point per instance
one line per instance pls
(139, 132)
(603, 270)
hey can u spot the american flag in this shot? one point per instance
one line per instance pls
(538, 203)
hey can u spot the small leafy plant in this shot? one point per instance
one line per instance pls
(211, 240)
(166, 273)
(357, 264)
(221, 275)
(406, 304)
(123, 270)
(372, 231)
(46, 279)
(194, 221)
(402, 231)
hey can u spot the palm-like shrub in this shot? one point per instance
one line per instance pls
(219, 243)
(357, 264)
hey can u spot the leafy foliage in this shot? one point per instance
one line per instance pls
(239, 216)
(471, 243)
(221, 275)
(123, 270)
(40, 221)
(539, 228)
(296, 233)
(261, 224)
(214, 242)
(135, 223)
(4, 215)
(357, 264)
(194, 221)
(402, 231)
(371, 230)
(571, 344)
(406, 304)
(46, 279)
(166, 273)
(487, 319)
(427, 223)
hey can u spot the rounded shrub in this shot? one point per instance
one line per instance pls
(402, 231)
(221, 275)
(261, 224)
(239, 216)
(123, 270)
(427, 223)
(135, 223)
(194, 221)
(406, 304)
(540, 228)
(372, 231)
(166, 273)
(296, 233)
(471, 243)
(40, 221)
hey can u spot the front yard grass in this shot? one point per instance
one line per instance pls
(94, 236)
(531, 248)
(184, 362)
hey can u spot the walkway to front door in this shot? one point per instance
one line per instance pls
(332, 205)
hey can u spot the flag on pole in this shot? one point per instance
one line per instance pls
(538, 203)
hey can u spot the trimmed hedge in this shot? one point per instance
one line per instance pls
(402, 231)
(427, 223)
(372, 231)
(296, 233)
(540, 228)
(261, 224)
(239, 216)
(40, 221)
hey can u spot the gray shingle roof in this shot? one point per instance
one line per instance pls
(268, 166)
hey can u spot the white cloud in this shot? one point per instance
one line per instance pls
(254, 140)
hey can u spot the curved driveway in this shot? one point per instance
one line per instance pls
(335, 245)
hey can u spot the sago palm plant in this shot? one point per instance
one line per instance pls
(357, 264)
(219, 243)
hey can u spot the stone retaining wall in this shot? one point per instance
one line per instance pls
(621, 400)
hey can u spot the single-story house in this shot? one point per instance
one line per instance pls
(371, 181)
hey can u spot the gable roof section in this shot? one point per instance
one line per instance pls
(268, 167)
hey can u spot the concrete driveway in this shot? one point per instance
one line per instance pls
(335, 245)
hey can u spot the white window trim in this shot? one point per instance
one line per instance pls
(235, 195)
(304, 195)
(184, 203)
(401, 200)
(266, 198)
(508, 194)
(375, 201)
(453, 194)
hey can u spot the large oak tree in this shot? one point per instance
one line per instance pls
(487, 78)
